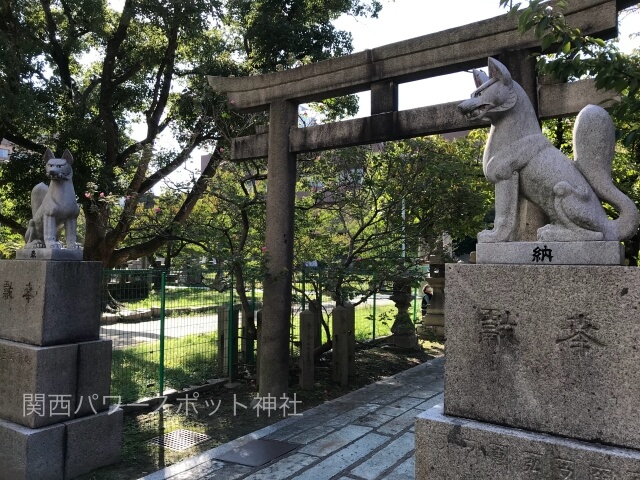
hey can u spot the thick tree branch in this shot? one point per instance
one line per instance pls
(131, 203)
(105, 103)
(57, 52)
(162, 87)
(166, 235)
(7, 132)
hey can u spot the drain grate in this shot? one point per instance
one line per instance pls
(257, 452)
(179, 440)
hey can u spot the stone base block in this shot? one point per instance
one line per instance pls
(27, 454)
(50, 303)
(408, 341)
(550, 253)
(454, 448)
(37, 384)
(93, 442)
(63, 254)
(552, 349)
(433, 319)
(94, 377)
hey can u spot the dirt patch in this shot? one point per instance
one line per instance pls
(226, 414)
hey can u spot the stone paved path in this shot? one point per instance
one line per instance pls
(366, 434)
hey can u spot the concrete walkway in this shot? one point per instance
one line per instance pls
(366, 434)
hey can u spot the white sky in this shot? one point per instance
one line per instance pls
(404, 19)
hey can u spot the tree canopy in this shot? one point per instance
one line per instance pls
(79, 74)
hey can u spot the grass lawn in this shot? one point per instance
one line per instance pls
(189, 360)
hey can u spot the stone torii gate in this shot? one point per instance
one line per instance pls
(380, 70)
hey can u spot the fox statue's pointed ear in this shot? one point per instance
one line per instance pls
(48, 155)
(68, 157)
(499, 71)
(479, 77)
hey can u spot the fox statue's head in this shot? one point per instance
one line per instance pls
(494, 93)
(58, 168)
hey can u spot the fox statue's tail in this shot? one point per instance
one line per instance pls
(37, 196)
(594, 142)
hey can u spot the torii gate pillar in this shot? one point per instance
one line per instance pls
(273, 338)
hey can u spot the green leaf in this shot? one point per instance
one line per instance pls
(547, 41)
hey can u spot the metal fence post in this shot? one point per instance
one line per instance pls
(232, 335)
(249, 354)
(163, 283)
(320, 300)
(415, 304)
(304, 291)
(375, 293)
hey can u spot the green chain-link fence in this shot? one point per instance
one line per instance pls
(164, 327)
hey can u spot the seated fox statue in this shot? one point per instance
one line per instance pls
(521, 162)
(54, 206)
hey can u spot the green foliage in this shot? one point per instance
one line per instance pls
(358, 208)
(79, 74)
(568, 54)
(277, 33)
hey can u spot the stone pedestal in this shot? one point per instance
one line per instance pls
(549, 349)
(59, 254)
(49, 303)
(449, 448)
(433, 321)
(550, 253)
(55, 373)
(37, 384)
(403, 329)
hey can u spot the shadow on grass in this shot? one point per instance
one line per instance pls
(189, 360)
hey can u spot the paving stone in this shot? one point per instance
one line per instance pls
(404, 471)
(391, 411)
(201, 471)
(374, 420)
(334, 441)
(394, 395)
(363, 395)
(398, 424)
(342, 459)
(407, 402)
(352, 415)
(432, 402)
(337, 451)
(283, 468)
(426, 394)
(229, 472)
(386, 458)
(311, 434)
(298, 427)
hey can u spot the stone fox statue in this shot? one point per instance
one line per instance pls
(521, 162)
(53, 207)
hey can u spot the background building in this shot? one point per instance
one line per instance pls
(6, 148)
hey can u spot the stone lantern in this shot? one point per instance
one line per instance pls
(403, 330)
